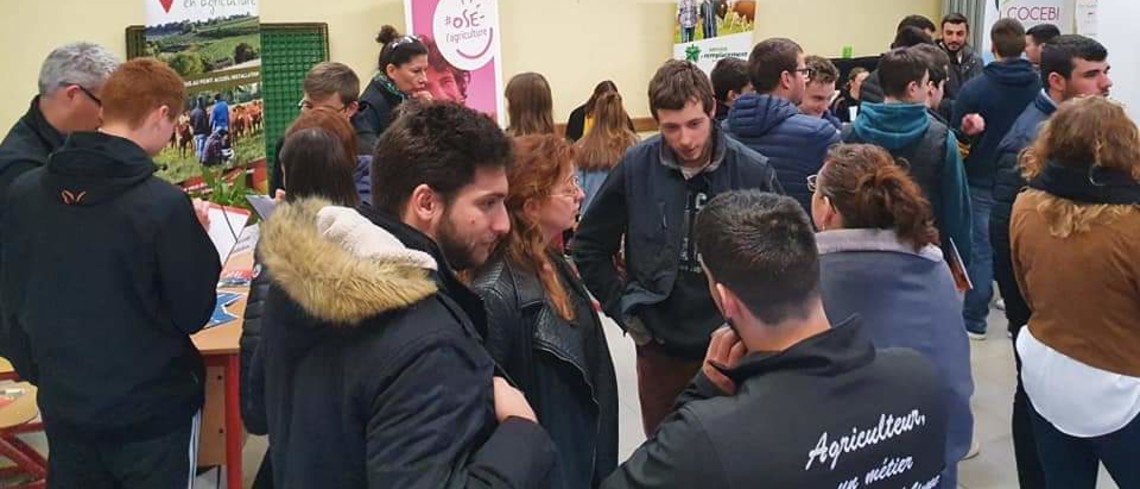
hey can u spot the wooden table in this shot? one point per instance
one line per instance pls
(219, 347)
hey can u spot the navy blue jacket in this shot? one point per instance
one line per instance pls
(794, 143)
(999, 96)
(907, 299)
(1008, 181)
(645, 202)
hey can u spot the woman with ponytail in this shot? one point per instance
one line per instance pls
(541, 324)
(402, 75)
(879, 258)
(601, 149)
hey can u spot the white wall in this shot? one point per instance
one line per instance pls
(1117, 31)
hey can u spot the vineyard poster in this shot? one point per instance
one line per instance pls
(464, 51)
(705, 31)
(215, 46)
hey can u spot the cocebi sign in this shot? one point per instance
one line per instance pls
(1031, 13)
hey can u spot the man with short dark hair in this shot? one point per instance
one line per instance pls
(375, 372)
(965, 63)
(1071, 66)
(1003, 91)
(770, 123)
(651, 200)
(902, 125)
(730, 81)
(786, 398)
(908, 34)
(200, 128)
(820, 89)
(920, 22)
(1035, 38)
(108, 271)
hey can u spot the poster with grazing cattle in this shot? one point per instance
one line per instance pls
(707, 30)
(215, 46)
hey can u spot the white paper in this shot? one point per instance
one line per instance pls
(226, 224)
(1087, 19)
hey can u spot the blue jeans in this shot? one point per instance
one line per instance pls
(199, 146)
(1071, 462)
(981, 268)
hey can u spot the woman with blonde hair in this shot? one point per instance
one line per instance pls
(530, 107)
(603, 147)
(541, 324)
(1075, 240)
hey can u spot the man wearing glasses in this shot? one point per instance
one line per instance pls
(770, 122)
(329, 85)
(68, 101)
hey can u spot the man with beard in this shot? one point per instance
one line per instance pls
(651, 200)
(1071, 66)
(965, 64)
(374, 369)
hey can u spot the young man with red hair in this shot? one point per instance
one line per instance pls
(107, 272)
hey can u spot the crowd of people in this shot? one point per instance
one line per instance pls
(799, 267)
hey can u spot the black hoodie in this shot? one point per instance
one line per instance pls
(108, 272)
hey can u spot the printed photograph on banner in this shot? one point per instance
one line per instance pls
(462, 37)
(215, 47)
(706, 31)
(708, 19)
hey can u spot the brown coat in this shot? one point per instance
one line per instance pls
(1084, 289)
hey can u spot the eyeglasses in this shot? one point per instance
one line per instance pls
(88, 93)
(808, 72)
(812, 182)
(306, 104)
(570, 187)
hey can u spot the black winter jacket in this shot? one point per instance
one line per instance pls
(377, 109)
(827, 412)
(999, 96)
(108, 271)
(26, 146)
(375, 371)
(563, 367)
(253, 379)
(646, 201)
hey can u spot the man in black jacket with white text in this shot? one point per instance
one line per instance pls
(785, 398)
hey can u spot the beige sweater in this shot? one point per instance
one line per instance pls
(1084, 290)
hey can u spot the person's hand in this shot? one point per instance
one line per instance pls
(973, 124)
(510, 402)
(724, 351)
(202, 212)
(422, 95)
(279, 196)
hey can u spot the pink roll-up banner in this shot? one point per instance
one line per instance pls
(464, 51)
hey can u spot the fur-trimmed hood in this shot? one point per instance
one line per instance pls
(339, 266)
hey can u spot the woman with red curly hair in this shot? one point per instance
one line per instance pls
(542, 327)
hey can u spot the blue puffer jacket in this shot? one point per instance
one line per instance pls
(794, 143)
(906, 299)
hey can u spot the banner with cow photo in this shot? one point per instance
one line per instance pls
(464, 51)
(215, 47)
(705, 31)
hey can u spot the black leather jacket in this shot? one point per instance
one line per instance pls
(564, 370)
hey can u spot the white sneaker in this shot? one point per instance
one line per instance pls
(976, 336)
(999, 304)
